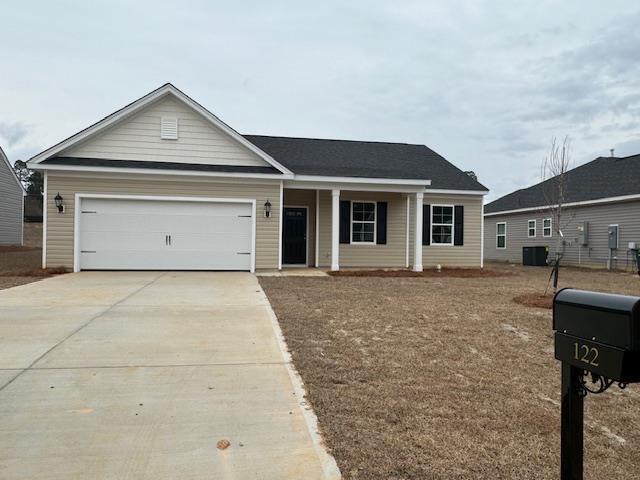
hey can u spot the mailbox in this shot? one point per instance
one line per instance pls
(598, 332)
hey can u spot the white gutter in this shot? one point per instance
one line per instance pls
(456, 192)
(158, 171)
(622, 198)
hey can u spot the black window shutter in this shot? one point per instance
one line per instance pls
(345, 221)
(426, 224)
(458, 227)
(381, 223)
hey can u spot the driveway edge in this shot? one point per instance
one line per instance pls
(328, 463)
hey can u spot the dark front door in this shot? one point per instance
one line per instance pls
(294, 236)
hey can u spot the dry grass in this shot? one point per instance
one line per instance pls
(445, 272)
(427, 378)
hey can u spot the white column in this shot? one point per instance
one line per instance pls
(417, 254)
(335, 230)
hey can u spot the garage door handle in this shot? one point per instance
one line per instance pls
(169, 239)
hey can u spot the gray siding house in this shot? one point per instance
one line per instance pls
(11, 192)
(602, 217)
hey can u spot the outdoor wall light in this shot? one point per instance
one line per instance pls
(267, 209)
(59, 202)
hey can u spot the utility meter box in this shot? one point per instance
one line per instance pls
(598, 332)
(583, 234)
(613, 236)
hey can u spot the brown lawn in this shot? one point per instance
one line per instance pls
(447, 377)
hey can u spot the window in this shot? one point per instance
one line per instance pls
(363, 222)
(501, 235)
(531, 228)
(546, 228)
(442, 225)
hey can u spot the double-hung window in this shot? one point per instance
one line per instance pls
(531, 228)
(546, 228)
(363, 222)
(501, 235)
(442, 225)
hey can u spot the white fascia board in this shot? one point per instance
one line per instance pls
(381, 181)
(136, 106)
(456, 192)
(153, 171)
(623, 198)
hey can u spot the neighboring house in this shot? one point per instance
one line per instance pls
(602, 208)
(11, 211)
(164, 184)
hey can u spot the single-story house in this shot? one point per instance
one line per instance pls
(601, 225)
(11, 213)
(164, 184)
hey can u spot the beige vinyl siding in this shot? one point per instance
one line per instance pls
(393, 254)
(60, 226)
(11, 208)
(467, 255)
(305, 198)
(138, 138)
(624, 214)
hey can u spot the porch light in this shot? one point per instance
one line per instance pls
(59, 202)
(267, 209)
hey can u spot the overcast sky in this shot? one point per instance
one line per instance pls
(487, 84)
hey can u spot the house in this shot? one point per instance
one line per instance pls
(165, 184)
(601, 212)
(11, 213)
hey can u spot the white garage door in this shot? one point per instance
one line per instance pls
(117, 234)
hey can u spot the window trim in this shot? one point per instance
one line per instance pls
(453, 225)
(501, 235)
(374, 221)
(550, 227)
(535, 228)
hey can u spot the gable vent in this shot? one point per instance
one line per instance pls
(169, 128)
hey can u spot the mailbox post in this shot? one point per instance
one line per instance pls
(597, 340)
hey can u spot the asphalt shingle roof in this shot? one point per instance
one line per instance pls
(347, 158)
(99, 162)
(333, 158)
(603, 177)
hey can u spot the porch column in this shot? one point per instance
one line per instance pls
(417, 253)
(335, 230)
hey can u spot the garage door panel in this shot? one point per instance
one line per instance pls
(133, 234)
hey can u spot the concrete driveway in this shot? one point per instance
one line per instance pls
(118, 375)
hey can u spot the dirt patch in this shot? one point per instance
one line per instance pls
(537, 300)
(416, 378)
(36, 272)
(431, 273)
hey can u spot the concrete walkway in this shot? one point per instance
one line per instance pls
(138, 375)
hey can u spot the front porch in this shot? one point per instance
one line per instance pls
(355, 228)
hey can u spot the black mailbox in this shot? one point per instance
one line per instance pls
(598, 332)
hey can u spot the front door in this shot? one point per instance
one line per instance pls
(294, 236)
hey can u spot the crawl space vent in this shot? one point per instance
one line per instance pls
(169, 128)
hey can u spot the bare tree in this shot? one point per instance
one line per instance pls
(555, 187)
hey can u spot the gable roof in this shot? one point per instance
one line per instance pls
(348, 158)
(604, 177)
(136, 106)
(13, 172)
